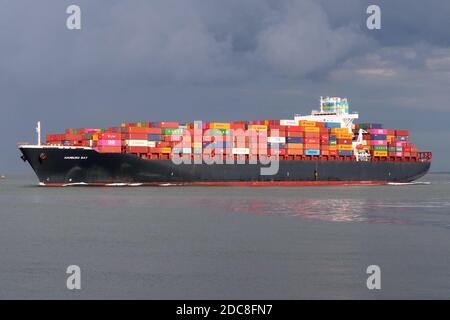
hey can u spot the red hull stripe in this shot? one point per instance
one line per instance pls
(229, 183)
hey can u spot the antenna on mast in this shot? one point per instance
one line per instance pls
(38, 131)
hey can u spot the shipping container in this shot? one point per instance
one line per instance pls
(310, 152)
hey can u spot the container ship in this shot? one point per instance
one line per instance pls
(325, 147)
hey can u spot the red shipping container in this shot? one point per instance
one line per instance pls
(163, 144)
(280, 133)
(236, 126)
(344, 141)
(135, 136)
(277, 126)
(312, 135)
(169, 124)
(154, 130)
(136, 149)
(109, 149)
(332, 152)
(295, 134)
(280, 152)
(136, 130)
(109, 136)
(402, 133)
(74, 137)
(294, 128)
(312, 140)
(154, 150)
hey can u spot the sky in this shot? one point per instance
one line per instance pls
(188, 60)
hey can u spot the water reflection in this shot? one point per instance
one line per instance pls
(334, 210)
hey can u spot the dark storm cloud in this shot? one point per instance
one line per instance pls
(231, 59)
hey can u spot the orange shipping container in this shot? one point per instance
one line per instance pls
(306, 123)
(344, 136)
(339, 130)
(344, 147)
(312, 129)
(294, 145)
(313, 146)
(294, 152)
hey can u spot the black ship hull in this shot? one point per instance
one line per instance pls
(64, 166)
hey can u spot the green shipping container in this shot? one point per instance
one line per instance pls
(379, 148)
(169, 131)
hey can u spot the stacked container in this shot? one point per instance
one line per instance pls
(378, 142)
(343, 140)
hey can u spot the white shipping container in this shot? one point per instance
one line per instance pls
(151, 144)
(288, 122)
(182, 150)
(136, 143)
(276, 139)
(240, 150)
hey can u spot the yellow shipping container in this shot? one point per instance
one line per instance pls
(332, 147)
(380, 153)
(311, 129)
(219, 125)
(196, 144)
(339, 130)
(307, 123)
(344, 135)
(95, 137)
(344, 147)
(257, 127)
(165, 150)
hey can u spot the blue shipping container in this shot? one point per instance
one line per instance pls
(294, 140)
(332, 125)
(275, 145)
(378, 136)
(345, 153)
(154, 137)
(371, 125)
(217, 144)
(312, 152)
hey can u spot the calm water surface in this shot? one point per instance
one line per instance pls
(225, 242)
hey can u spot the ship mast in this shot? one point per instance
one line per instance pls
(38, 131)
